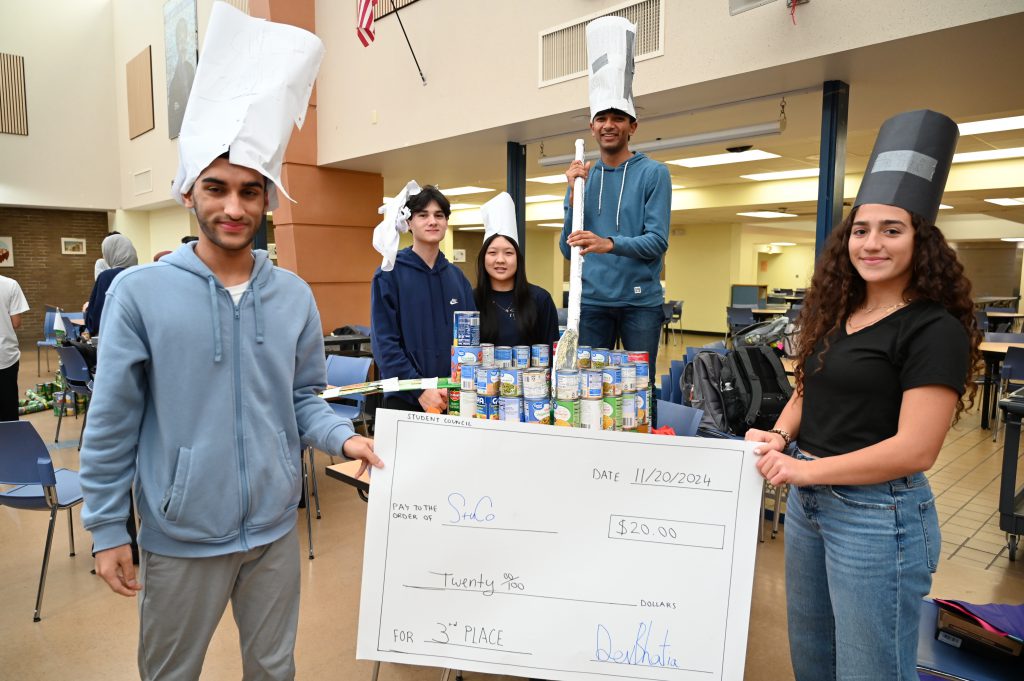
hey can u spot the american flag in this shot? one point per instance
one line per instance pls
(364, 21)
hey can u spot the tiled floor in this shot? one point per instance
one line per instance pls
(89, 633)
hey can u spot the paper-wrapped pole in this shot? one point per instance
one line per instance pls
(565, 354)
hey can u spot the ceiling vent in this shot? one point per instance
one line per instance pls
(563, 49)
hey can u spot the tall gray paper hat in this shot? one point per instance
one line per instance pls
(610, 57)
(910, 163)
(251, 88)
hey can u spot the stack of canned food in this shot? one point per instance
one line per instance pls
(611, 389)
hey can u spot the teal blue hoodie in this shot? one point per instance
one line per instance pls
(205, 406)
(631, 204)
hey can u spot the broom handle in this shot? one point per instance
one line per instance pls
(575, 260)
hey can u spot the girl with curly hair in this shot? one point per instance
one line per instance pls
(888, 345)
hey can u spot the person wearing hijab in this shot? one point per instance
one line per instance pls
(119, 254)
(626, 207)
(512, 310)
(101, 264)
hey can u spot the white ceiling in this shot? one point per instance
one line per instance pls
(970, 73)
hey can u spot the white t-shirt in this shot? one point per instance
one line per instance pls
(12, 302)
(237, 290)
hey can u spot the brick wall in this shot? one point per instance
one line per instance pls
(46, 276)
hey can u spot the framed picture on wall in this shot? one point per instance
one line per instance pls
(6, 251)
(71, 246)
(181, 56)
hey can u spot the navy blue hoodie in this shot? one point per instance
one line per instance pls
(411, 310)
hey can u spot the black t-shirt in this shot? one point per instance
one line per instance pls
(854, 400)
(545, 329)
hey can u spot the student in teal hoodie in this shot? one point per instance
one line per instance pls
(206, 389)
(624, 238)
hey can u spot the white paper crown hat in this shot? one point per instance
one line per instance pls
(396, 220)
(610, 57)
(499, 217)
(252, 85)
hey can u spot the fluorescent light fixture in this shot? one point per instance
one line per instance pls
(992, 125)
(550, 224)
(472, 229)
(678, 186)
(990, 155)
(548, 179)
(943, 206)
(782, 243)
(782, 175)
(1012, 238)
(460, 191)
(767, 214)
(713, 137)
(1005, 202)
(722, 159)
(542, 197)
(463, 206)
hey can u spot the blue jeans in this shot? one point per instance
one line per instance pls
(639, 328)
(859, 559)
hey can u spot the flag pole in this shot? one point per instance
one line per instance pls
(415, 60)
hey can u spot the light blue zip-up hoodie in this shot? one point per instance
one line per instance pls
(631, 204)
(204, 405)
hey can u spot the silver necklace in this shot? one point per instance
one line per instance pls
(510, 311)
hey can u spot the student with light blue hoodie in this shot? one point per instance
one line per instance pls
(627, 205)
(206, 390)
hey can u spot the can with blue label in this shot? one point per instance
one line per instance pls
(540, 355)
(643, 375)
(522, 356)
(611, 380)
(504, 356)
(487, 407)
(537, 411)
(599, 358)
(591, 384)
(463, 355)
(510, 409)
(628, 411)
(535, 384)
(487, 379)
(628, 377)
(466, 328)
(487, 353)
(643, 401)
(468, 377)
(511, 382)
(583, 356)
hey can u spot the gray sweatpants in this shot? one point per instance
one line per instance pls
(182, 601)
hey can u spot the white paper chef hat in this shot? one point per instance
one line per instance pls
(499, 217)
(252, 85)
(396, 221)
(610, 56)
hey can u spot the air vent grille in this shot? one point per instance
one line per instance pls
(13, 100)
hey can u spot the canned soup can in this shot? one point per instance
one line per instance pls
(522, 356)
(628, 411)
(535, 384)
(504, 356)
(628, 377)
(591, 384)
(611, 412)
(467, 403)
(487, 353)
(567, 386)
(537, 411)
(454, 407)
(468, 381)
(466, 328)
(611, 379)
(591, 413)
(511, 383)
(567, 413)
(643, 402)
(510, 409)
(540, 355)
(486, 380)
(643, 375)
(599, 358)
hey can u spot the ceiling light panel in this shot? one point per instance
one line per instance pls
(767, 214)
(542, 197)
(548, 179)
(722, 159)
(462, 191)
(989, 155)
(782, 175)
(464, 206)
(992, 125)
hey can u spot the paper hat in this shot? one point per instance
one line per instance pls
(396, 220)
(910, 163)
(252, 85)
(610, 56)
(499, 218)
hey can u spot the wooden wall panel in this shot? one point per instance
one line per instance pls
(13, 104)
(140, 93)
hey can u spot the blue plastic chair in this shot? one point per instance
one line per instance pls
(993, 337)
(1011, 371)
(683, 420)
(1004, 326)
(675, 375)
(77, 379)
(982, 318)
(739, 317)
(72, 330)
(666, 388)
(25, 463)
(49, 339)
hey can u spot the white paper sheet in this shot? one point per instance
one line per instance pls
(558, 553)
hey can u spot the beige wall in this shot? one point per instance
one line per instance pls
(68, 159)
(792, 268)
(457, 71)
(544, 261)
(698, 270)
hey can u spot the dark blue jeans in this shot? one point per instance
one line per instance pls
(639, 328)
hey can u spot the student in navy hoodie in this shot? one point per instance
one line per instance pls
(414, 295)
(626, 208)
(209, 370)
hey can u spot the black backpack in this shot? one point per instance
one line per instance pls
(760, 386)
(702, 388)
